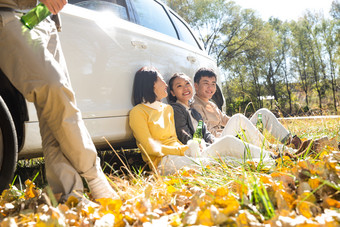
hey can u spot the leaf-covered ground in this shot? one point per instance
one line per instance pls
(302, 192)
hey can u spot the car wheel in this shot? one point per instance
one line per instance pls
(8, 146)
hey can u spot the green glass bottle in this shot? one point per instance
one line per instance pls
(198, 133)
(259, 123)
(35, 16)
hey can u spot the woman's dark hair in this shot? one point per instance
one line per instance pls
(204, 72)
(172, 98)
(143, 85)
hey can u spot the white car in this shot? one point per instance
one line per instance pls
(104, 42)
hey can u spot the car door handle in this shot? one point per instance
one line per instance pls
(191, 59)
(139, 44)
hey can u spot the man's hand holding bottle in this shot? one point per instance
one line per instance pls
(54, 6)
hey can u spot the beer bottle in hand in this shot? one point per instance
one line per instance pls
(35, 16)
(259, 123)
(198, 133)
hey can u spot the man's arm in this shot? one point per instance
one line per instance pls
(54, 6)
(225, 118)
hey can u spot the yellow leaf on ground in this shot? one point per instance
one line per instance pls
(109, 205)
(171, 189)
(175, 220)
(204, 218)
(329, 202)
(245, 218)
(314, 183)
(307, 209)
(232, 206)
(72, 201)
(304, 209)
(222, 191)
(30, 191)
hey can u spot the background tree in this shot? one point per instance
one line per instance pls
(310, 22)
(295, 62)
(335, 10)
(285, 37)
(329, 65)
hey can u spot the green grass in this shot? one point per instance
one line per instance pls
(223, 189)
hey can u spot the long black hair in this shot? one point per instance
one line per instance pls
(143, 85)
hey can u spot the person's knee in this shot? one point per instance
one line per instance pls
(225, 140)
(55, 90)
(236, 118)
(48, 86)
(263, 111)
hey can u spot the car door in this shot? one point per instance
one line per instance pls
(172, 40)
(103, 52)
(167, 52)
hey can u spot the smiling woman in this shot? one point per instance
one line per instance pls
(180, 97)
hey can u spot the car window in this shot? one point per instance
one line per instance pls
(184, 32)
(152, 15)
(117, 7)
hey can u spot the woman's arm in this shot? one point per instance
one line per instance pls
(138, 121)
(181, 116)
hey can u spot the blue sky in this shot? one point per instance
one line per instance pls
(285, 9)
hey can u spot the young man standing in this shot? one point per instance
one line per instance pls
(219, 124)
(34, 63)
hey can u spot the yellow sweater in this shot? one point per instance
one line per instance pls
(155, 131)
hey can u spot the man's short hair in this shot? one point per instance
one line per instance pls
(143, 86)
(204, 72)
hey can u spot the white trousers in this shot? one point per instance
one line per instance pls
(238, 124)
(33, 61)
(227, 148)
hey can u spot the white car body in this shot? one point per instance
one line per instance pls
(103, 53)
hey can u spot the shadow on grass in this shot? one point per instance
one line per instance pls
(110, 162)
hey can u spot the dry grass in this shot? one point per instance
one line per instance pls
(289, 193)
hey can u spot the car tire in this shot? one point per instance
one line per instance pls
(8, 146)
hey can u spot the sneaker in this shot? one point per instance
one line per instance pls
(280, 150)
(296, 142)
(303, 147)
(316, 147)
(319, 144)
(100, 188)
